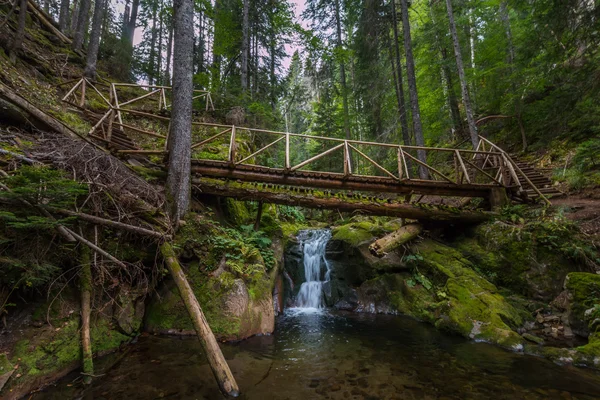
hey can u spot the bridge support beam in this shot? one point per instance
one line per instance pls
(309, 199)
(498, 198)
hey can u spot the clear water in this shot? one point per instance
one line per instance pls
(316, 269)
(320, 355)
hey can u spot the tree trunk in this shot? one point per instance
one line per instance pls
(338, 26)
(17, 43)
(74, 16)
(85, 282)
(63, 18)
(211, 348)
(158, 70)
(180, 132)
(457, 123)
(82, 21)
(412, 90)
(201, 44)
(167, 80)
(461, 75)
(392, 241)
(132, 22)
(152, 56)
(245, 41)
(397, 71)
(92, 51)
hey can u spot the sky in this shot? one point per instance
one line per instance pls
(299, 7)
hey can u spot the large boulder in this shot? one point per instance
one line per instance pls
(583, 302)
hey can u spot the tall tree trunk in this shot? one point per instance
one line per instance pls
(201, 45)
(82, 21)
(92, 51)
(152, 55)
(125, 22)
(158, 70)
(167, 80)
(505, 17)
(216, 57)
(180, 133)
(17, 43)
(132, 22)
(461, 75)
(397, 70)
(412, 90)
(74, 16)
(457, 123)
(63, 18)
(338, 26)
(245, 42)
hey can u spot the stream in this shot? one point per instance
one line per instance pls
(316, 353)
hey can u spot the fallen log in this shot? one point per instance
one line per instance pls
(85, 287)
(48, 22)
(213, 353)
(373, 207)
(107, 222)
(405, 234)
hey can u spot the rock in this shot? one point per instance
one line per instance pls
(129, 310)
(584, 295)
(6, 370)
(533, 338)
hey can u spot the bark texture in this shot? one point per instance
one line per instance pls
(94, 44)
(412, 90)
(380, 247)
(82, 20)
(17, 43)
(461, 75)
(338, 26)
(398, 79)
(245, 41)
(63, 18)
(213, 353)
(85, 279)
(180, 132)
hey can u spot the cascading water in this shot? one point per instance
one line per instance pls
(311, 291)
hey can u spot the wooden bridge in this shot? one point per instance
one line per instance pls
(133, 120)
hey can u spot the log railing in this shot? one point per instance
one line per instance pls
(286, 152)
(510, 174)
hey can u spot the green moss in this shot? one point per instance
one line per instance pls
(238, 212)
(585, 292)
(354, 234)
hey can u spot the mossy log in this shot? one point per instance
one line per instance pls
(372, 207)
(85, 284)
(380, 247)
(217, 362)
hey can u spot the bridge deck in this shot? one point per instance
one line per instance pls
(268, 157)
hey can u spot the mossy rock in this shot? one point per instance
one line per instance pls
(470, 305)
(584, 295)
(238, 212)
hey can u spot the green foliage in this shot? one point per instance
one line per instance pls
(588, 155)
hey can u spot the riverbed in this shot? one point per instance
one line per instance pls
(320, 354)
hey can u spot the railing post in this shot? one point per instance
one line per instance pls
(400, 167)
(82, 100)
(347, 163)
(111, 119)
(160, 106)
(232, 149)
(404, 162)
(287, 151)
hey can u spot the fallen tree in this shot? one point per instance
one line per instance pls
(405, 234)
(312, 200)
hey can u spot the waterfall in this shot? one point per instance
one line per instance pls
(311, 291)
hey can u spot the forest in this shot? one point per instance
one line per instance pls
(314, 191)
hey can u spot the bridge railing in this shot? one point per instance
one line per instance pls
(147, 130)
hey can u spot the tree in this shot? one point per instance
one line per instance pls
(412, 90)
(461, 75)
(245, 43)
(94, 44)
(398, 83)
(180, 133)
(82, 21)
(63, 19)
(17, 43)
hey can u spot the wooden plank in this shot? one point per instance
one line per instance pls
(431, 168)
(73, 89)
(133, 128)
(260, 150)
(462, 165)
(287, 151)
(318, 156)
(485, 173)
(99, 122)
(232, 149)
(347, 161)
(373, 162)
(140, 98)
(199, 144)
(97, 91)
